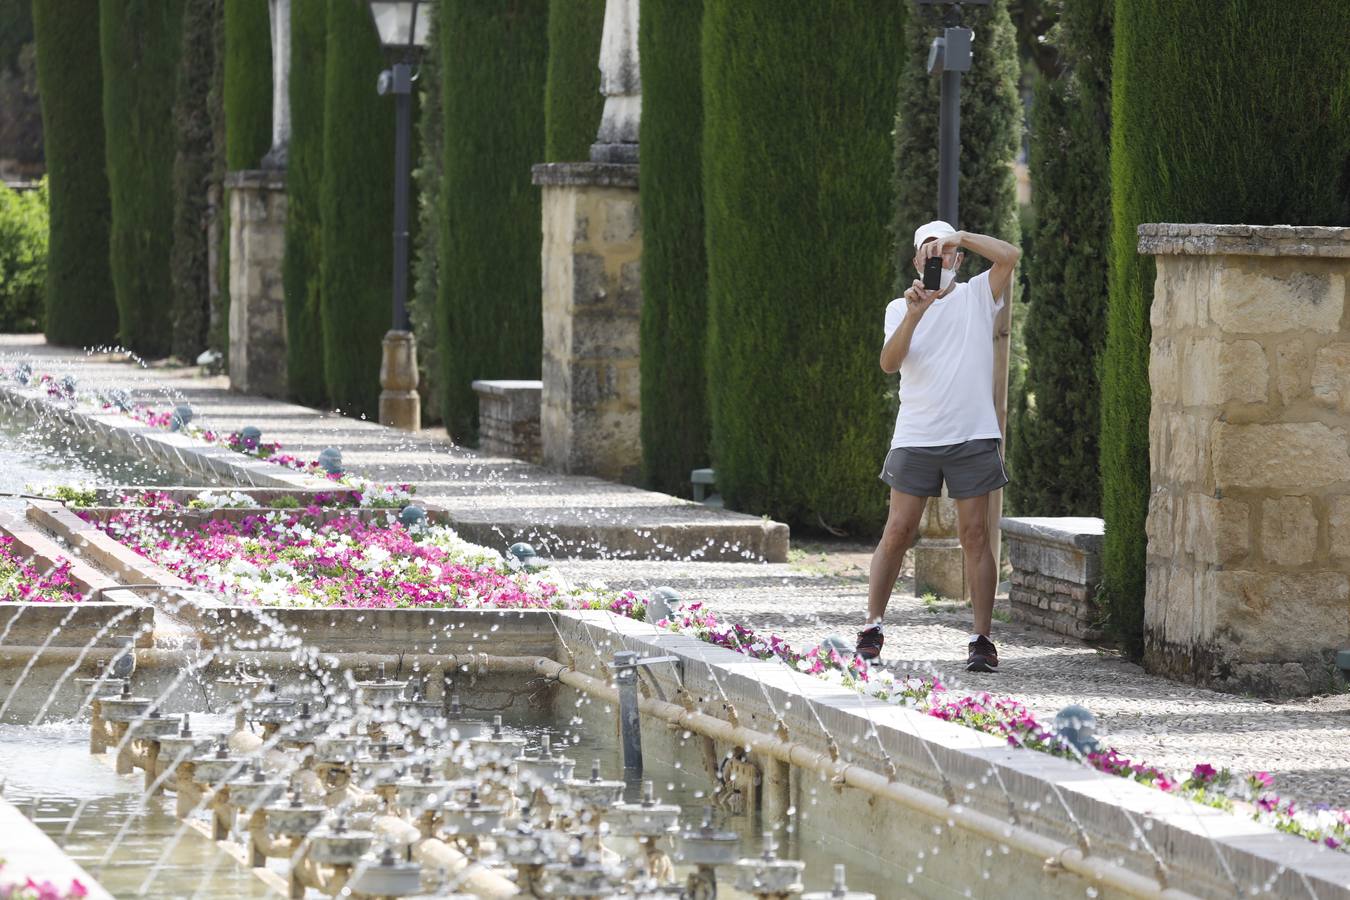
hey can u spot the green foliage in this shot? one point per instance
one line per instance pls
(356, 207)
(429, 175)
(75, 495)
(80, 309)
(572, 99)
(304, 176)
(20, 110)
(193, 164)
(248, 83)
(139, 42)
(289, 501)
(799, 267)
(23, 258)
(1233, 112)
(493, 56)
(990, 129)
(1053, 450)
(675, 428)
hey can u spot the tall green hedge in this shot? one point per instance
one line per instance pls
(248, 83)
(356, 210)
(990, 131)
(429, 176)
(20, 106)
(23, 257)
(572, 99)
(80, 308)
(493, 57)
(675, 428)
(139, 42)
(1054, 450)
(1229, 112)
(796, 154)
(193, 163)
(304, 176)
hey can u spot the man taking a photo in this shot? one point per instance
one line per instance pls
(941, 343)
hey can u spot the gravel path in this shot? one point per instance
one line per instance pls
(821, 591)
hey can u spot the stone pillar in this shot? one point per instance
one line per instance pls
(939, 565)
(1248, 576)
(592, 305)
(279, 12)
(257, 300)
(621, 83)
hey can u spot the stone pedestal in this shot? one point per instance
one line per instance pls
(400, 406)
(592, 304)
(939, 566)
(257, 320)
(1248, 576)
(1056, 570)
(508, 418)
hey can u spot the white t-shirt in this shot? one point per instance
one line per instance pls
(947, 378)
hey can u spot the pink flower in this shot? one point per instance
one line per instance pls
(1204, 773)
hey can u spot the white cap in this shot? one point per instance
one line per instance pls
(934, 229)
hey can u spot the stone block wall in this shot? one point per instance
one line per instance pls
(1056, 571)
(257, 320)
(592, 306)
(1248, 582)
(508, 418)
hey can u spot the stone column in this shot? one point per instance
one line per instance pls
(621, 83)
(1248, 575)
(939, 565)
(279, 11)
(257, 300)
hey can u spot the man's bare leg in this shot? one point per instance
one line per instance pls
(972, 516)
(902, 525)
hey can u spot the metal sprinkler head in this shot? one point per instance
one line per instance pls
(250, 436)
(182, 417)
(664, 603)
(411, 515)
(330, 460)
(524, 554)
(1077, 726)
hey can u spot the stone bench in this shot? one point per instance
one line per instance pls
(1056, 570)
(508, 418)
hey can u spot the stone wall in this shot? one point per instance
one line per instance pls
(508, 418)
(1248, 583)
(1056, 571)
(257, 297)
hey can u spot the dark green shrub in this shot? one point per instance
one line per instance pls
(139, 45)
(674, 263)
(248, 83)
(23, 258)
(797, 153)
(572, 99)
(1053, 451)
(1228, 112)
(193, 164)
(79, 304)
(20, 108)
(356, 210)
(304, 176)
(493, 56)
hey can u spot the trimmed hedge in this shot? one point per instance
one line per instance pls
(1054, 450)
(80, 309)
(356, 209)
(796, 154)
(304, 176)
(572, 99)
(248, 83)
(193, 163)
(493, 56)
(675, 427)
(1231, 112)
(139, 42)
(428, 175)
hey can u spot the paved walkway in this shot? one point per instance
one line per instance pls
(821, 590)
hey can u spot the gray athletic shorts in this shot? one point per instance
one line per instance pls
(970, 469)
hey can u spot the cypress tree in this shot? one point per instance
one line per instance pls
(572, 99)
(304, 176)
(674, 263)
(356, 210)
(192, 169)
(1260, 135)
(1054, 449)
(248, 83)
(493, 55)
(139, 41)
(798, 106)
(80, 308)
(428, 176)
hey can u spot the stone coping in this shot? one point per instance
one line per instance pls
(504, 386)
(585, 174)
(870, 733)
(1083, 532)
(274, 179)
(1163, 238)
(28, 852)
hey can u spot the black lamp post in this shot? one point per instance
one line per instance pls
(948, 57)
(403, 26)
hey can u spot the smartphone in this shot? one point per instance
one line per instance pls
(932, 273)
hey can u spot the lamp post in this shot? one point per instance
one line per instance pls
(949, 56)
(403, 26)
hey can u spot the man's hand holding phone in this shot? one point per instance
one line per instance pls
(918, 298)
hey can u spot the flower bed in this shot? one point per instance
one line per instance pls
(32, 889)
(21, 582)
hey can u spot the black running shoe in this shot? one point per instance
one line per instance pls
(982, 656)
(869, 643)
